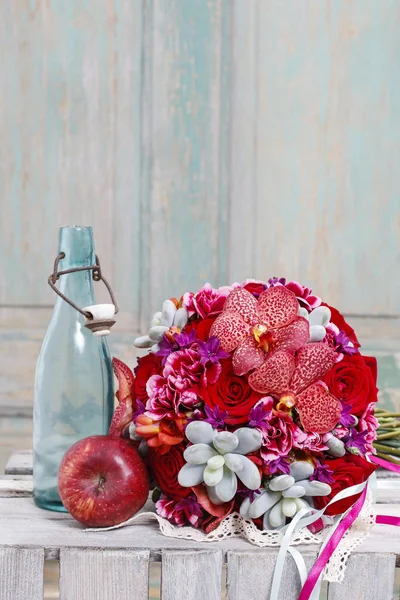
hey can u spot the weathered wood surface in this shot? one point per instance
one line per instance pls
(191, 575)
(202, 140)
(250, 575)
(16, 486)
(367, 577)
(22, 524)
(20, 463)
(104, 574)
(21, 573)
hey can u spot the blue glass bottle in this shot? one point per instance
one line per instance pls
(74, 380)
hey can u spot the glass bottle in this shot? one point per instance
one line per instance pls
(74, 380)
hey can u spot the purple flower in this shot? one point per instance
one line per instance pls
(347, 419)
(343, 344)
(276, 281)
(190, 505)
(356, 442)
(179, 341)
(258, 416)
(245, 493)
(281, 464)
(323, 474)
(215, 417)
(210, 351)
(140, 410)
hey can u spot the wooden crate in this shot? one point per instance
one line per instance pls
(115, 565)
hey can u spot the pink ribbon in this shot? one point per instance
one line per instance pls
(331, 547)
(385, 464)
(388, 520)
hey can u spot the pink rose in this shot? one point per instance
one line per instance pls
(184, 512)
(308, 441)
(368, 422)
(208, 301)
(304, 295)
(278, 433)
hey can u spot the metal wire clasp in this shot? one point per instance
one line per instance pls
(101, 321)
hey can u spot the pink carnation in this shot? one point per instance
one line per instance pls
(278, 435)
(303, 294)
(308, 441)
(208, 301)
(165, 401)
(180, 513)
(368, 422)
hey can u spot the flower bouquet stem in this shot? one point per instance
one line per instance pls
(387, 443)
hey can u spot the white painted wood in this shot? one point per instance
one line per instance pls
(16, 486)
(104, 574)
(23, 524)
(250, 575)
(367, 577)
(21, 574)
(20, 463)
(192, 575)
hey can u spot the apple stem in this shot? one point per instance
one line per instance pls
(101, 484)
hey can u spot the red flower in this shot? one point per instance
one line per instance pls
(148, 365)
(338, 319)
(347, 471)
(202, 327)
(231, 393)
(353, 380)
(165, 469)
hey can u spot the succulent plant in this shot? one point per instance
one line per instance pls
(318, 318)
(169, 317)
(283, 496)
(218, 458)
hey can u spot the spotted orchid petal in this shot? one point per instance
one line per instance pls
(247, 356)
(230, 329)
(274, 375)
(318, 409)
(277, 307)
(244, 304)
(313, 361)
(293, 336)
(245, 469)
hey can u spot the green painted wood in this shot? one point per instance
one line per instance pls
(185, 148)
(315, 188)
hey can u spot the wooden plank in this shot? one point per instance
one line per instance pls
(367, 577)
(184, 187)
(20, 463)
(16, 486)
(104, 575)
(21, 574)
(191, 575)
(250, 575)
(314, 125)
(23, 524)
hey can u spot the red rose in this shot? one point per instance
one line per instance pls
(231, 393)
(353, 380)
(202, 327)
(338, 319)
(165, 469)
(255, 287)
(347, 471)
(148, 365)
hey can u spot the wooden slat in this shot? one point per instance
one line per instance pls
(250, 575)
(104, 575)
(21, 574)
(367, 577)
(192, 575)
(20, 463)
(16, 486)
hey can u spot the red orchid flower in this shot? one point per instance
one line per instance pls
(253, 328)
(294, 380)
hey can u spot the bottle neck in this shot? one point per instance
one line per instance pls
(78, 287)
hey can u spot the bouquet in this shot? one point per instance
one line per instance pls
(253, 399)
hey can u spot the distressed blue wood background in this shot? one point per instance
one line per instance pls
(203, 140)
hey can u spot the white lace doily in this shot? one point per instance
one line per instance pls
(235, 525)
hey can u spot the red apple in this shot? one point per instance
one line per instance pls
(102, 481)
